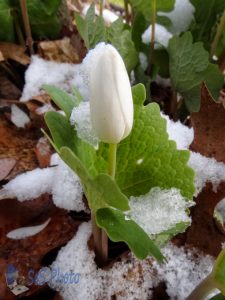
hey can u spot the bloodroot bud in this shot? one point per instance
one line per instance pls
(111, 100)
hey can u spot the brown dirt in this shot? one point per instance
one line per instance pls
(33, 252)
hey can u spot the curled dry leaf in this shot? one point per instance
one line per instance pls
(14, 52)
(24, 232)
(60, 51)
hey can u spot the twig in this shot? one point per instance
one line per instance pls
(219, 32)
(26, 23)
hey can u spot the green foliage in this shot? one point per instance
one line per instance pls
(144, 6)
(218, 273)
(43, 18)
(101, 190)
(116, 224)
(189, 68)
(93, 30)
(62, 99)
(7, 27)
(121, 38)
(42, 15)
(162, 165)
(206, 16)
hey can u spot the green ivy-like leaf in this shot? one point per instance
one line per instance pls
(116, 225)
(162, 238)
(101, 191)
(62, 99)
(64, 135)
(189, 68)
(123, 43)
(92, 29)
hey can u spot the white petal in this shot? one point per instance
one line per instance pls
(24, 232)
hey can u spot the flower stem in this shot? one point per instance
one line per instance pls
(152, 42)
(112, 160)
(219, 31)
(202, 290)
(101, 7)
(111, 172)
(100, 236)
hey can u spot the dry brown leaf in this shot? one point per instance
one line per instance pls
(43, 152)
(1, 56)
(6, 166)
(60, 51)
(14, 52)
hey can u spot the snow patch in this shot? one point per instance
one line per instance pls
(62, 75)
(130, 278)
(181, 16)
(162, 36)
(67, 191)
(81, 118)
(31, 184)
(207, 170)
(159, 210)
(181, 134)
(60, 180)
(18, 116)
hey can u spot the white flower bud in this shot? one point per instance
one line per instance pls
(111, 102)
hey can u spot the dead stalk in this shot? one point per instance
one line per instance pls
(26, 23)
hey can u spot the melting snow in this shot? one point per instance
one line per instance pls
(81, 117)
(159, 210)
(18, 116)
(162, 36)
(129, 279)
(60, 180)
(181, 16)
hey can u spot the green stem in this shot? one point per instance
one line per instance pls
(101, 7)
(111, 171)
(202, 290)
(152, 42)
(219, 31)
(112, 160)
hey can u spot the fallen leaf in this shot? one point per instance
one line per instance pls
(43, 152)
(6, 166)
(208, 129)
(1, 56)
(14, 52)
(24, 232)
(18, 144)
(60, 51)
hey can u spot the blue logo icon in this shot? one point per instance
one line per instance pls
(11, 275)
